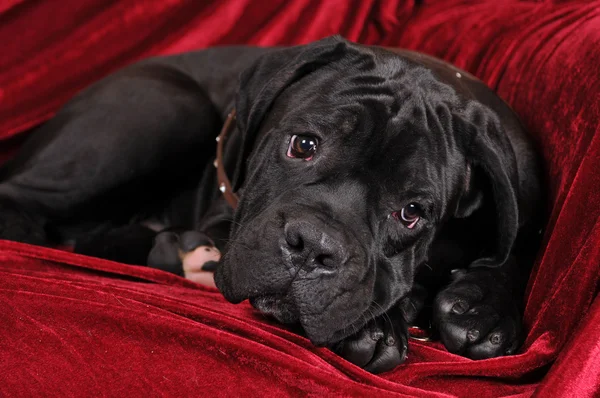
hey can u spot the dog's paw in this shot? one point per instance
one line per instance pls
(477, 317)
(379, 347)
(190, 254)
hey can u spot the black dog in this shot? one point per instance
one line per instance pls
(374, 185)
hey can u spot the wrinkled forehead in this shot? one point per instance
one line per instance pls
(389, 116)
(396, 114)
(380, 82)
(367, 91)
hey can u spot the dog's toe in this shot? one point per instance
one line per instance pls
(165, 253)
(190, 240)
(477, 321)
(379, 347)
(360, 348)
(190, 254)
(502, 340)
(390, 352)
(199, 265)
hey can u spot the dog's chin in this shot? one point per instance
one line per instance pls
(278, 308)
(328, 340)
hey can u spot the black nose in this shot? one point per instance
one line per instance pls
(310, 245)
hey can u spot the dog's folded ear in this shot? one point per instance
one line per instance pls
(490, 158)
(261, 84)
(471, 198)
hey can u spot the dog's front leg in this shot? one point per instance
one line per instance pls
(380, 345)
(190, 254)
(477, 315)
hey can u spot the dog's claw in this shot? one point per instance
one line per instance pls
(477, 317)
(379, 347)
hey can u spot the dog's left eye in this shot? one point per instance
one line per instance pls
(302, 147)
(409, 215)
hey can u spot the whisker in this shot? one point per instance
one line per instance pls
(235, 242)
(385, 316)
(231, 220)
(414, 306)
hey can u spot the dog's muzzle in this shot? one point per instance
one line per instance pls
(307, 245)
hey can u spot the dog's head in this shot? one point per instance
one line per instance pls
(352, 160)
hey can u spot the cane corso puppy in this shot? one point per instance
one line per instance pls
(370, 186)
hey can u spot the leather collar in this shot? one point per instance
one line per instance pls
(222, 179)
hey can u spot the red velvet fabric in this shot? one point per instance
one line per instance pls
(78, 326)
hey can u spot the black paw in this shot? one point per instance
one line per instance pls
(379, 347)
(170, 248)
(477, 317)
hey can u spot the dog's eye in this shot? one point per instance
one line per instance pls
(409, 215)
(302, 147)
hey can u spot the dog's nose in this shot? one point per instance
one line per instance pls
(310, 246)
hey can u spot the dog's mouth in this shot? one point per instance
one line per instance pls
(279, 308)
(308, 273)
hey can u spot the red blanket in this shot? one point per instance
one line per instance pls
(77, 326)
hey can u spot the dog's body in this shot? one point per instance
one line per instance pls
(373, 184)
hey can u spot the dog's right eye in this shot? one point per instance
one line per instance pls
(302, 147)
(409, 215)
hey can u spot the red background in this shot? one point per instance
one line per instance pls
(77, 326)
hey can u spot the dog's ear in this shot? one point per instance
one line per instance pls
(262, 82)
(471, 196)
(491, 162)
